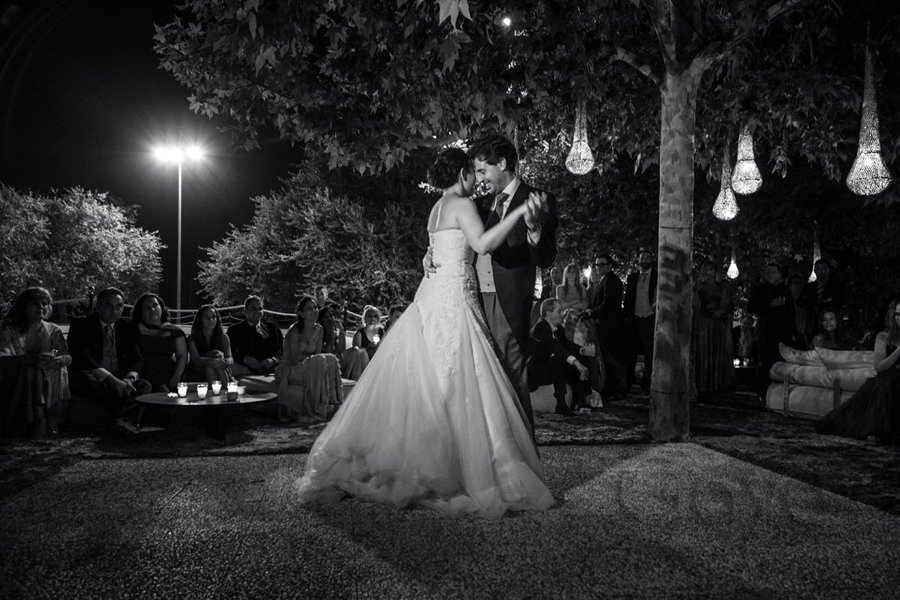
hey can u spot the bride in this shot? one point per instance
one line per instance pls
(433, 420)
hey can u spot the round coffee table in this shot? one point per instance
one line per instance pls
(192, 399)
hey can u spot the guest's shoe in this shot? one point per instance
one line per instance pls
(564, 410)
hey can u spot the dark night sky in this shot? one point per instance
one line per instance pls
(83, 100)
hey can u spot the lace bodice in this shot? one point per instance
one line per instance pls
(442, 294)
(454, 280)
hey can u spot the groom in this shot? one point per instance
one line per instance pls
(506, 276)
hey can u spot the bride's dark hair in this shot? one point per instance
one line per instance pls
(443, 173)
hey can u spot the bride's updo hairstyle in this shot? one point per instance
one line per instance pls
(445, 170)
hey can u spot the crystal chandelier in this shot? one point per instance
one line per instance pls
(580, 159)
(746, 178)
(725, 207)
(868, 175)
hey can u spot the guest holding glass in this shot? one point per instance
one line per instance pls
(209, 347)
(34, 381)
(309, 381)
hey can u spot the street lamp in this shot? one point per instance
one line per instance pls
(178, 155)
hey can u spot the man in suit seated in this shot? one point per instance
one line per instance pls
(553, 359)
(255, 344)
(106, 359)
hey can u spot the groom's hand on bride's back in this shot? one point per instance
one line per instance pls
(428, 264)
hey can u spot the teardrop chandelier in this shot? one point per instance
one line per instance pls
(746, 178)
(817, 251)
(580, 159)
(733, 271)
(868, 175)
(725, 207)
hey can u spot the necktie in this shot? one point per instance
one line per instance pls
(110, 358)
(497, 211)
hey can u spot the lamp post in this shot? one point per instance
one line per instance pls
(178, 155)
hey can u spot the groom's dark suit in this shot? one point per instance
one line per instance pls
(514, 265)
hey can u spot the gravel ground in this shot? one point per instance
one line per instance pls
(632, 521)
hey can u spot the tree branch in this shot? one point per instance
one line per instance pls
(718, 48)
(630, 58)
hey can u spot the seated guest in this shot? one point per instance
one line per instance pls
(106, 359)
(365, 342)
(874, 410)
(551, 360)
(830, 334)
(255, 344)
(321, 295)
(34, 382)
(309, 381)
(571, 293)
(334, 338)
(393, 314)
(582, 339)
(209, 347)
(369, 335)
(159, 342)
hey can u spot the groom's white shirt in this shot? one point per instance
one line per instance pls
(483, 264)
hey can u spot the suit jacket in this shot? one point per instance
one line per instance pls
(546, 345)
(86, 345)
(514, 262)
(606, 299)
(631, 291)
(245, 341)
(832, 295)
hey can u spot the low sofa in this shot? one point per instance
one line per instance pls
(810, 383)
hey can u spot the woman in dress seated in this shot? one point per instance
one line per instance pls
(830, 334)
(334, 336)
(369, 335)
(874, 410)
(163, 345)
(571, 294)
(209, 347)
(34, 381)
(365, 343)
(309, 381)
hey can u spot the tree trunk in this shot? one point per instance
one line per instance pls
(670, 388)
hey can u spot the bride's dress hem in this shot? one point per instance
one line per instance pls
(433, 420)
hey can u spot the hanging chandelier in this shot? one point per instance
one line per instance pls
(868, 175)
(733, 271)
(817, 251)
(580, 159)
(746, 178)
(725, 207)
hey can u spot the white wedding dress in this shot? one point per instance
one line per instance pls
(433, 419)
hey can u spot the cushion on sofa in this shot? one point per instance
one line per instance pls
(846, 359)
(801, 374)
(802, 401)
(852, 379)
(799, 357)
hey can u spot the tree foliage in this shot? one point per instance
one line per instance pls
(307, 234)
(367, 82)
(69, 241)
